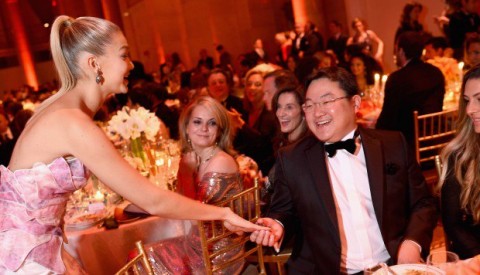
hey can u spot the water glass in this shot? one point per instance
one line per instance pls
(444, 260)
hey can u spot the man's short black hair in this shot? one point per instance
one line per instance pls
(345, 79)
(411, 43)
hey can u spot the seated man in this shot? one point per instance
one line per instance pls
(348, 209)
(417, 85)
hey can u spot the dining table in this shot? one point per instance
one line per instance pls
(104, 251)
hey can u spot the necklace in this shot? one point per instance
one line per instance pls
(212, 153)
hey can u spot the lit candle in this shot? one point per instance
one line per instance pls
(160, 162)
(460, 68)
(384, 79)
(377, 81)
(99, 197)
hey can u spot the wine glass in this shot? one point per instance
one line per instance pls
(444, 260)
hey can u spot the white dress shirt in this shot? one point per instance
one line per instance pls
(361, 239)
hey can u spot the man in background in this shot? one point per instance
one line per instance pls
(276, 81)
(416, 86)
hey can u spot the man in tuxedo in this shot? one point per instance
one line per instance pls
(219, 87)
(337, 41)
(299, 43)
(415, 86)
(276, 81)
(348, 208)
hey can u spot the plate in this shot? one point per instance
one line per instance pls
(84, 221)
(414, 269)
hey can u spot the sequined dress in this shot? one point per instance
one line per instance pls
(32, 206)
(183, 255)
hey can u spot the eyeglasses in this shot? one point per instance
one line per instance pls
(309, 105)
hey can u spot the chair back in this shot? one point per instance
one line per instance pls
(246, 204)
(133, 265)
(432, 132)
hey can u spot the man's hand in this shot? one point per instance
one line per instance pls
(268, 238)
(409, 253)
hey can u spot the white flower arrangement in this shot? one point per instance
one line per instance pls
(131, 123)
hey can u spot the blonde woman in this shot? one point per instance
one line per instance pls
(61, 139)
(208, 173)
(460, 178)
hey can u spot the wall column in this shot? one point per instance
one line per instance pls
(310, 10)
(21, 43)
(94, 8)
(299, 11)
(111, 12)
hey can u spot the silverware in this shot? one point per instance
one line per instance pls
(389, 270)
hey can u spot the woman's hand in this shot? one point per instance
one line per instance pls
(236, 224)
(236, 118)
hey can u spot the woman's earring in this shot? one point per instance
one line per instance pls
(99, 79)
(189, 142)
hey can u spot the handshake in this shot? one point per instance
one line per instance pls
(272, 237)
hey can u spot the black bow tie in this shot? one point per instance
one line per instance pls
(348, 145)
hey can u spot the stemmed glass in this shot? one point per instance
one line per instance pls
(444, 260)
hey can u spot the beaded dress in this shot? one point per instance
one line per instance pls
(183, 255)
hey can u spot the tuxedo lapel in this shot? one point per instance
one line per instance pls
(375, 168)
(318, 168)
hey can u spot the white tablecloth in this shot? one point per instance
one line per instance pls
(102, 251)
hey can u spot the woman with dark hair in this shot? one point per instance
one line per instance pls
(287, 105)
(409, 19)
(363, 73)
(460, 178)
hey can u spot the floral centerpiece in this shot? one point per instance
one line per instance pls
(449, 68)
(137, 127)
(453, 76)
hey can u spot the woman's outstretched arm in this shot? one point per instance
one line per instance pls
(87, 142)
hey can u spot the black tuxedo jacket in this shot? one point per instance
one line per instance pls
(304, 203)
(417, 86)
(338, 45)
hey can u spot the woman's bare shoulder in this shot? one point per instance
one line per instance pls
(222, 163)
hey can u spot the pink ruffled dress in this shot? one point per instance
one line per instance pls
(32, 206)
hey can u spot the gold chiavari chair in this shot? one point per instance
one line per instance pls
(278, 260)
(246, 204)
(133, 265)
(432, 132)
(438, 165)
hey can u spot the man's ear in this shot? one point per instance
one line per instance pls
(357, 100)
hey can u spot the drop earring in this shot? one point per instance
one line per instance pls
(99, 79)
